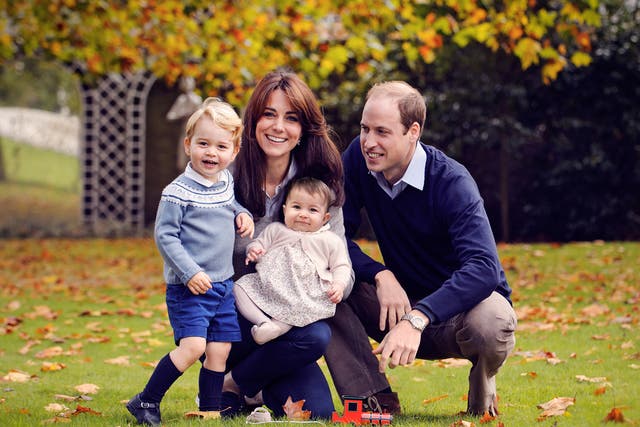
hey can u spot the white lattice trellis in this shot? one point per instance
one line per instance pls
(114, 149)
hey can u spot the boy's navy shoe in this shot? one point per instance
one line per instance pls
(231, 404)
(145, 412)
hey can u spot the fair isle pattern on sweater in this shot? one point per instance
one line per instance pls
(182, 193)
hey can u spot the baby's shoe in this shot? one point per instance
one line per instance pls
(259, 415)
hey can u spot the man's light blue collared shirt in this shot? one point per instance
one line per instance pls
(413, 176)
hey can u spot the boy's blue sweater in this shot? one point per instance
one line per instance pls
(437, 242)
(195, 228)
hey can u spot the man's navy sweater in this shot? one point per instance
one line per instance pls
(437, 242)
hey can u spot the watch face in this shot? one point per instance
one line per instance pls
(416, 322)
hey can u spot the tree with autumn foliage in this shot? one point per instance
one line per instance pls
(226, 46)
(518, 91)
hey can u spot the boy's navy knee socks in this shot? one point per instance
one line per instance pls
(162, 378)
(210, 383)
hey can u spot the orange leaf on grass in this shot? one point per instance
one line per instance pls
(55, 407)
(203, 415)
(451, 363)
(554, 361)
(599, 391)
(16, 376)
(95, 327)
(120, 361)
(27, 347)
(87, 388)
(98, 340)
(600, 337)
(152, 342)
(42, 311)
(9, 324)
(13, 305)
(52, 366)
(84, 410)
(49, 352)
(615, 415)
(594, 310)
(583, 378)
(486, 418)
(72, 398)
(435, 399)
(294, 410)
(555, 407)
(626, 345)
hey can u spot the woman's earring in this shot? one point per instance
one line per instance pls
(298, 143)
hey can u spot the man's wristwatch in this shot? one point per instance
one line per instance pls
(416, 321)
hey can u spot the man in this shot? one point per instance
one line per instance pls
(442, 291)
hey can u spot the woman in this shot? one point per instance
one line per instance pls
(285, 136)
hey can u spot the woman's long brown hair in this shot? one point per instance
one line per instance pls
(317, 154)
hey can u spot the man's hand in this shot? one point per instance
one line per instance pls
(200, 283)
(245, 225)
(394, 302)
(400, 345)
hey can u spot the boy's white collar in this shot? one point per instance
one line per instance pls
(190, 173)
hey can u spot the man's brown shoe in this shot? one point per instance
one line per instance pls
(383, 402)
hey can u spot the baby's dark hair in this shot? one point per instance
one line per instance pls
(312, 186)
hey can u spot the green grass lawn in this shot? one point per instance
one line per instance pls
(40, 193)
(36, 166)
(76, 312)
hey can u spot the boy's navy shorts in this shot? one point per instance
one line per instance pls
(211, 315)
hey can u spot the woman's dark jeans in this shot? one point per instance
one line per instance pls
(286, 366)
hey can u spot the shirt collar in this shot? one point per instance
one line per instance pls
(414, 175)
(293, 169)
(274, 204)
(190, 173)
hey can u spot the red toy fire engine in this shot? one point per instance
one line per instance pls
(353, 413)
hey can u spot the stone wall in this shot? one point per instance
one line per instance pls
(41, 128)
